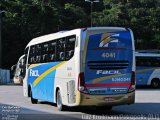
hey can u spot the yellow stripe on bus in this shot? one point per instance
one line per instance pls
(107, 40)
(106, 77)
(34, 65)
(148, 69)
(105, 35)
(46, 73)
(113, 76)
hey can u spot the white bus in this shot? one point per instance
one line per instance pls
(148, 69)
(19, 71)
(82, 67)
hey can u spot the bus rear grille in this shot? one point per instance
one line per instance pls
(107, 65)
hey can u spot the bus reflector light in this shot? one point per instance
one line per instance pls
(81, 83)
(132, 86)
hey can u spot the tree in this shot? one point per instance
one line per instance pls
(141, 16)
(75, 15)
(24, 20)
(27, 19)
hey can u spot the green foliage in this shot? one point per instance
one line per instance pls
(142, 16)
(74, 16)
(26, 19)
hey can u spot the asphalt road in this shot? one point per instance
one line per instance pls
(14, 106)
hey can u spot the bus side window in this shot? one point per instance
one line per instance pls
(148, 62)
(156, 61)
(38, 53)
(70, 46)
(45, 48)
(140, 61)
(60, 50)
(52, 51)
(32, 55)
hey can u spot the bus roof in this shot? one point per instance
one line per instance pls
(147, 54)
(57, 35)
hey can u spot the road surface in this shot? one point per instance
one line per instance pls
(14, 106)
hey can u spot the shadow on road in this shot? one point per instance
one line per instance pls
(83, 109)
(146, 110)
(11, 84)
(11, 112)
(134, 109)
(146, 88)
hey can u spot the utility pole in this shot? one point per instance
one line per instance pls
(91, 1)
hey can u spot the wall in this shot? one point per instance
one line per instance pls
(4, 76)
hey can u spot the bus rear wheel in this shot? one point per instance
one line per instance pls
(33, 101)
(155, 83)
(60, 106)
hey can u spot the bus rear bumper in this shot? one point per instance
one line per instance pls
(105, 100)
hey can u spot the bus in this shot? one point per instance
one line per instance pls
(19, 71)
(148, 69)
(82, 67)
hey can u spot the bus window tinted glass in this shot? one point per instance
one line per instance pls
(60, 49)
(148, 61)
(56, 50)
(38, 53)
(45, 52)
(70, 46)
(52, 51)
(32, 55)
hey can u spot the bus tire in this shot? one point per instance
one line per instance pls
(60, 106)
(29, 91)
(155, 83)
(33, 101)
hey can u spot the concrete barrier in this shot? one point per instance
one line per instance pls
(4, 76)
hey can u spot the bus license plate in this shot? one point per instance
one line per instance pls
(109, 99)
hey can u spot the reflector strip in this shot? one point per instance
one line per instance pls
(109, 84)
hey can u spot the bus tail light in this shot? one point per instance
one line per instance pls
(81, 83)
(132, 86)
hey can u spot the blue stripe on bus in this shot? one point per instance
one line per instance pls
(44, 90)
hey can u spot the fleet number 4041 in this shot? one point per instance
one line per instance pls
(108, 55)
